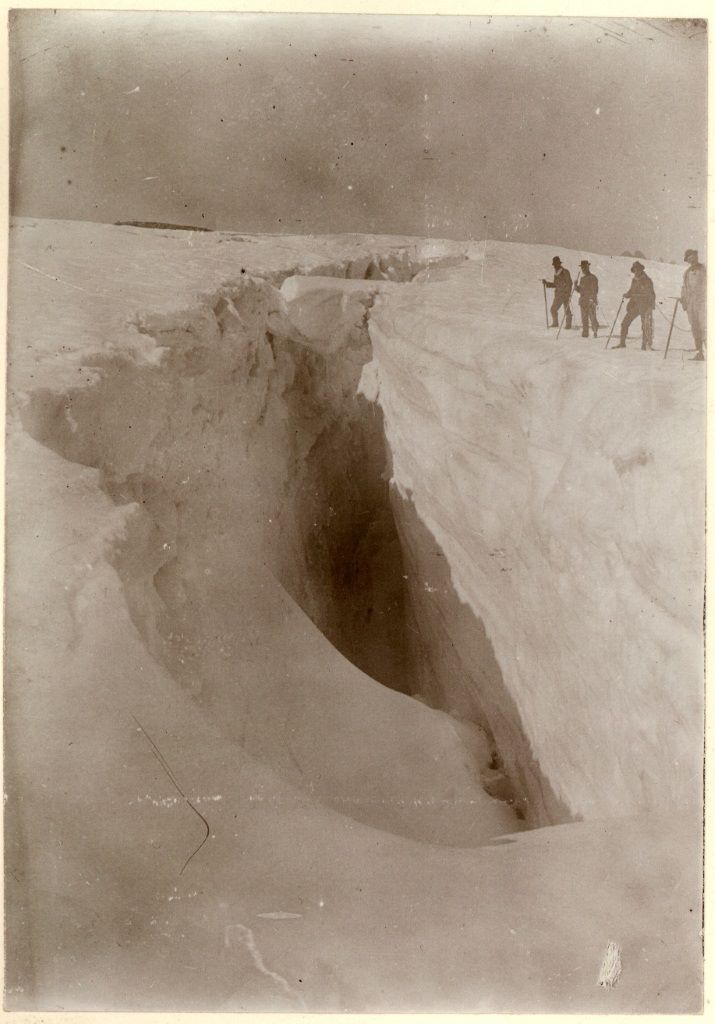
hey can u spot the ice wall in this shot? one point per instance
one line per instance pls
(563, 487)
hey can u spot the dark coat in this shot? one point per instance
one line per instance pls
(641, 294)
(562, 283)
(693, 296)
(587, 288)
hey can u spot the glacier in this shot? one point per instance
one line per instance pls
(354, 653)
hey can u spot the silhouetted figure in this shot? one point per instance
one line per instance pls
(693, 299)
(641, 303)
(563, 285)
(587, 288)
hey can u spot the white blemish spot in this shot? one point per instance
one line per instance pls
(278, 915)
(611, 967)
(73, 424)
(247, 939)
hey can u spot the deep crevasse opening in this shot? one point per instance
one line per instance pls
(249, 462)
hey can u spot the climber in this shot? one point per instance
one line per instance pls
(641, 303)
(693, 299)
(587, 288)
(562, 297)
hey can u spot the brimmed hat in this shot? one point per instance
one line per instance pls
(690, 253)
(637, 266)
(556, 261)
(585, 263)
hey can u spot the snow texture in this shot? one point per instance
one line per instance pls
(565, 486)
(230, 572)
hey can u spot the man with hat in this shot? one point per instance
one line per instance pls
(562, 296)
(587, 288)
(693, 299)
(641, 303)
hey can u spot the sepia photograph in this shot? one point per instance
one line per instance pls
(355, 478)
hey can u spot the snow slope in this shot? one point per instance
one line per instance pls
(212, 801)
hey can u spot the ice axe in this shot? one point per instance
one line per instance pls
(546, 305)
(613, 326)
(672, 325)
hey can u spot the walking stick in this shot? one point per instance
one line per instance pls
(568, 305)
(672, 324)
(546, 306)
(613, 325)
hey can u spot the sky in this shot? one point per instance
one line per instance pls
(579, 132)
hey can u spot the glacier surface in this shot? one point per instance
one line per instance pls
(354, 631)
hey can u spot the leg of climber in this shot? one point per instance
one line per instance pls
(555, 305)
(696, 327)
(594, 319)
(567, 306)
(647, 321)
(589, 319)
(628, 319)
